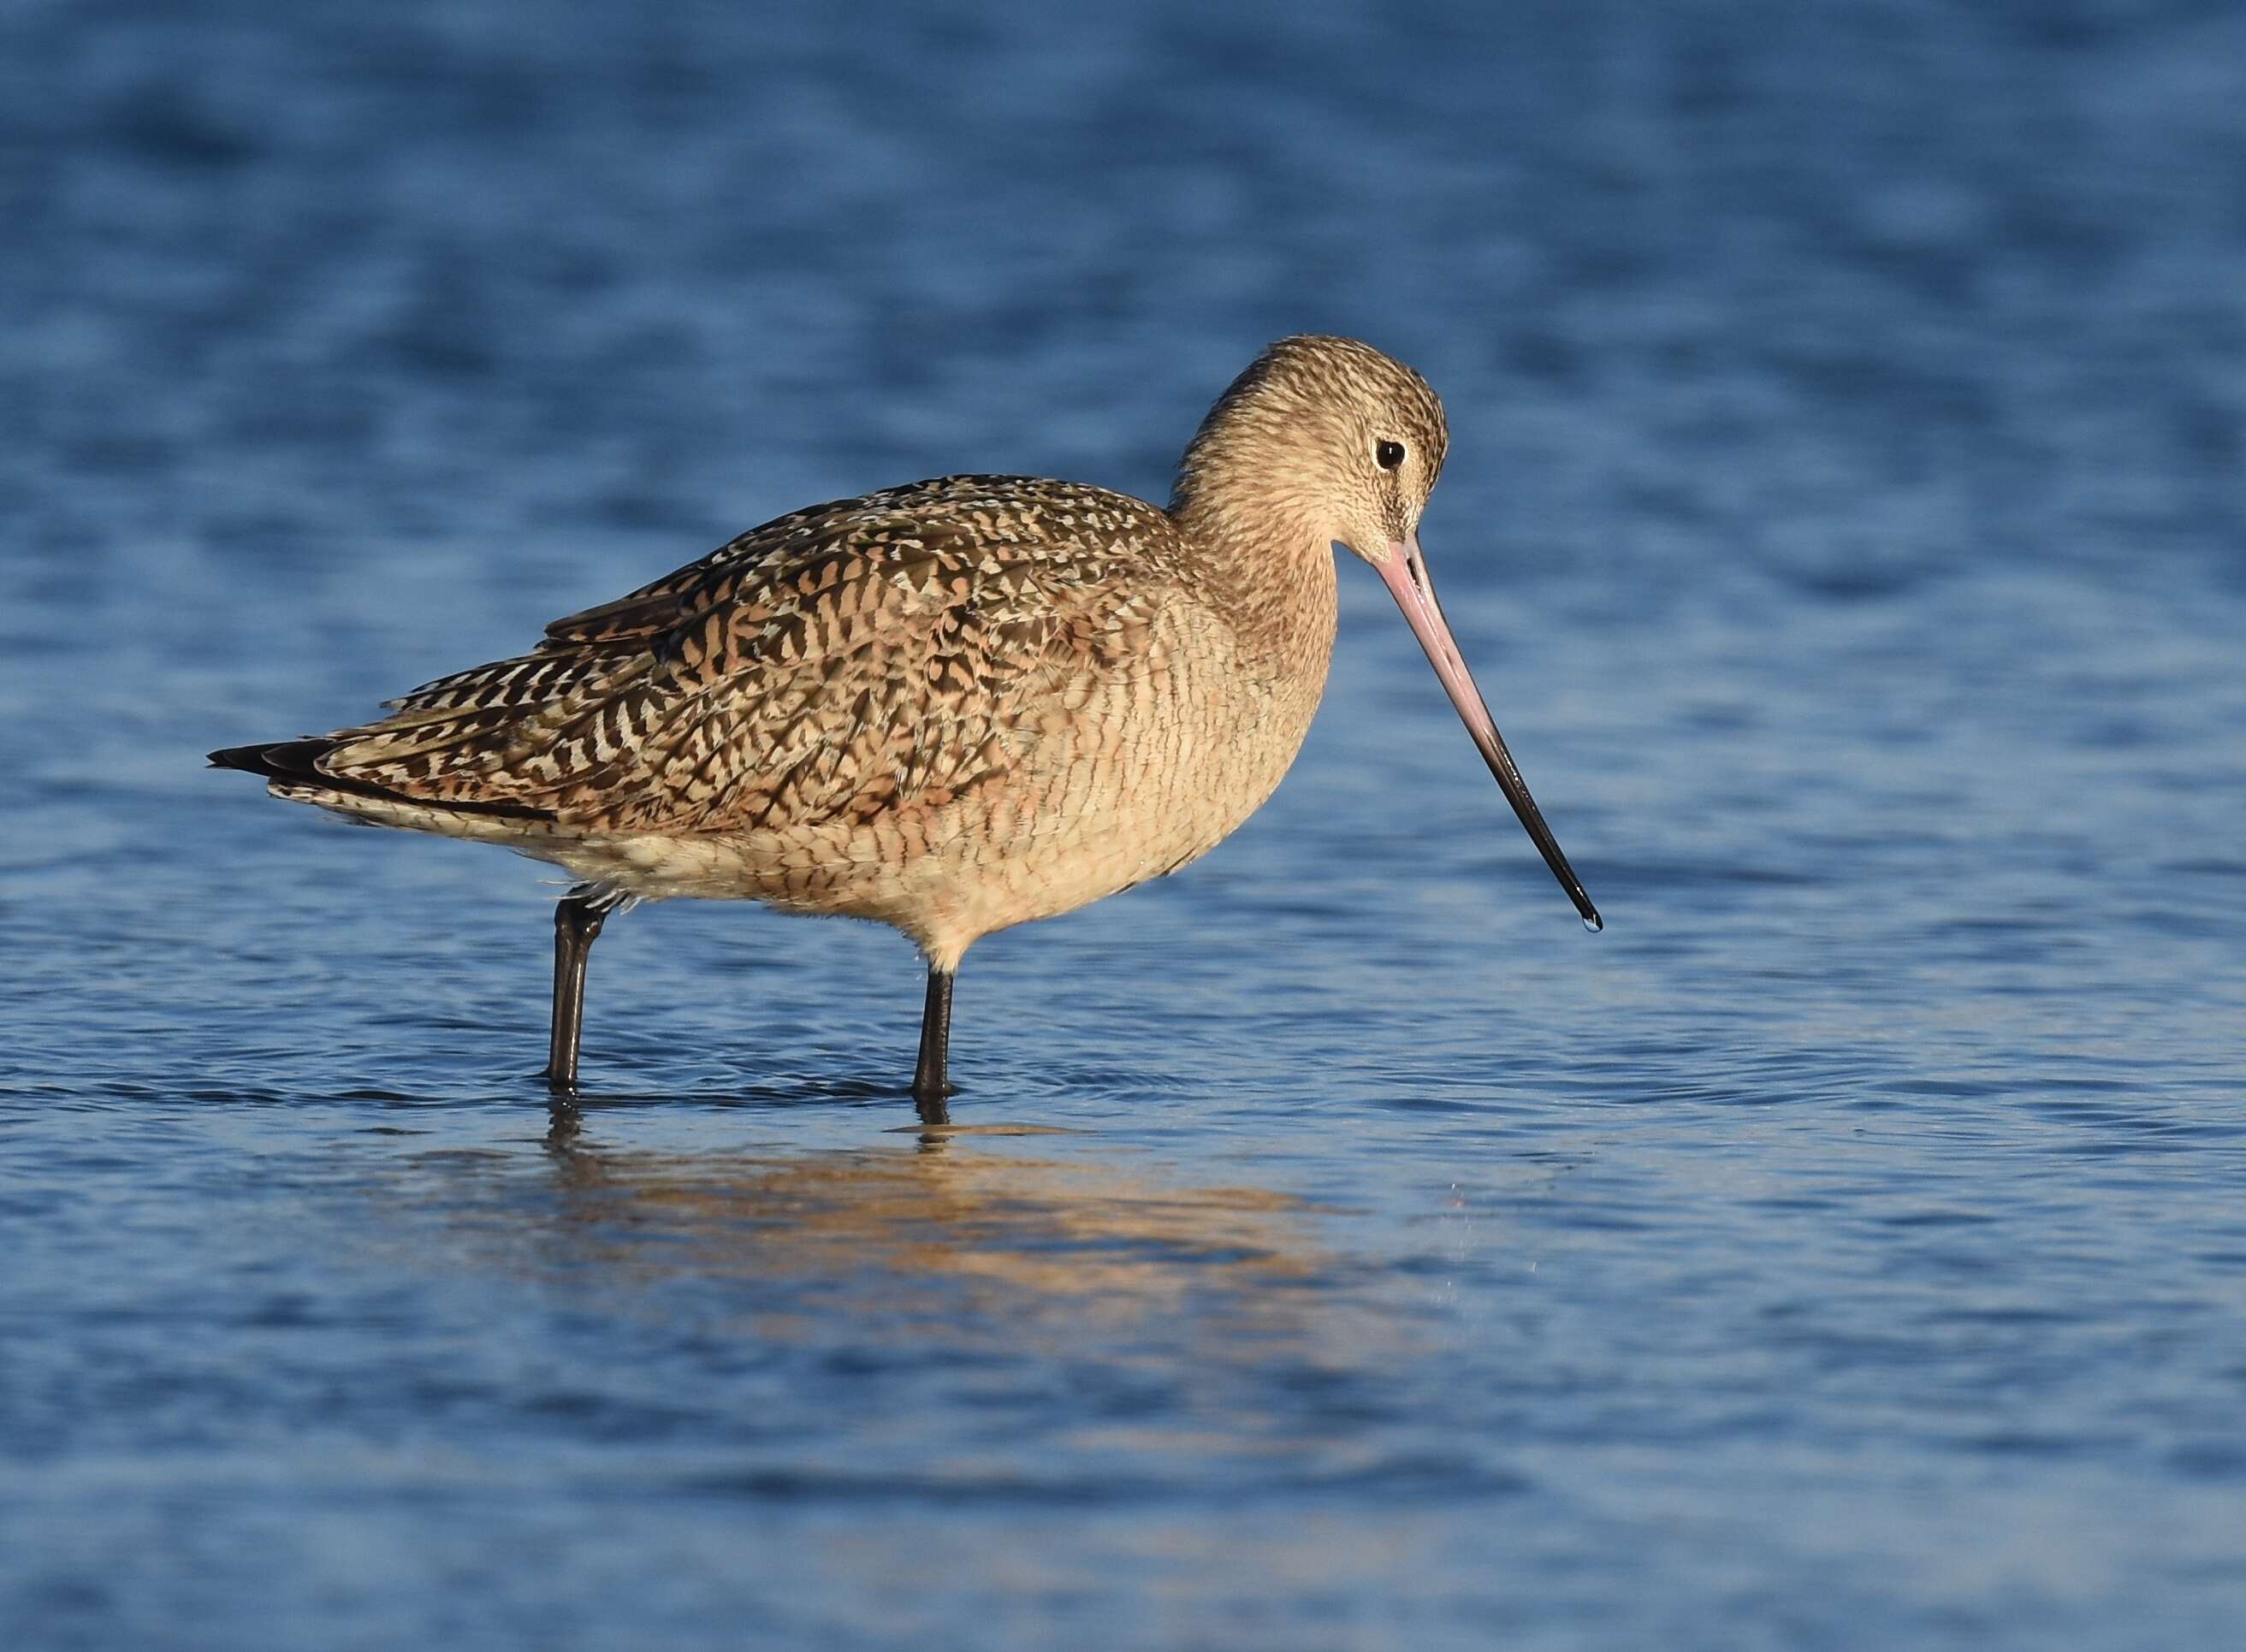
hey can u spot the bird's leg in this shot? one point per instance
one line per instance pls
(577, 919)
(929, 1086)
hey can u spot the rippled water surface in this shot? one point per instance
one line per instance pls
(1338, 1247)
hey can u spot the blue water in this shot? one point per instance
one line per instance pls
(1846, 516)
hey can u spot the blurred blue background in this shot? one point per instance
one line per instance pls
(1846, 517)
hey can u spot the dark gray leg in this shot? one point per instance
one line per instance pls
(929, 1086)
(576, 921)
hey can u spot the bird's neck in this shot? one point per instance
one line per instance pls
(1269, 568)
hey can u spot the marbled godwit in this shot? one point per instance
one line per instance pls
(952, 707)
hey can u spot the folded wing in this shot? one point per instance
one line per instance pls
(858, 657)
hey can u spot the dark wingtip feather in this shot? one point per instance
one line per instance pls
(251, 760)
(296, 763)
(275, 759)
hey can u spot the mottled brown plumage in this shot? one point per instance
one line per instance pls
(952, 706)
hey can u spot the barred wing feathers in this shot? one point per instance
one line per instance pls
(845, 660)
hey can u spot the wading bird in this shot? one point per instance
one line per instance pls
(950, 707)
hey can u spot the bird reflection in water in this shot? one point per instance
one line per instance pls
(1016, 1217)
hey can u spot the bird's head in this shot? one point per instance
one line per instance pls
(1330, 439)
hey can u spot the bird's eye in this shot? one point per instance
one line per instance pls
(1388, 455)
